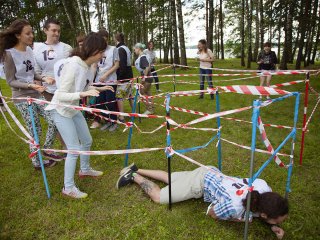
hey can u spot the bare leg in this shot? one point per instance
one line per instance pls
(150, 188)
(268, 80)
(262, 79)
(155, 174)
(121, 108)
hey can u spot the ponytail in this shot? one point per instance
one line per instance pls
(269, 203)
(254, 203)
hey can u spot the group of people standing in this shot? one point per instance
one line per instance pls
(55, 72)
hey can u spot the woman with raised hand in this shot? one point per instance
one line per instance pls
(19, 64)
(74, 84)
(206, 59)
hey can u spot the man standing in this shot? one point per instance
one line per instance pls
(49, 52)
(46, 54)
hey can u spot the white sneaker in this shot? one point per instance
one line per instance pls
(90, 173)
(74, 193)
(95, 125)
(106, 126)
(147, 112)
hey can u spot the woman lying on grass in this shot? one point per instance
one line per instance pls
(226, 194)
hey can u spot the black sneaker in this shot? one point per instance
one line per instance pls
(201, 97)
(125, 179)
(132, 166)
(54, 157)
(46, 164)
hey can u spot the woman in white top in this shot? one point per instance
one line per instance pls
(152, 58)
(73, 84)
(206, 59)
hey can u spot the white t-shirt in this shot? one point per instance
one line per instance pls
(24, 63)
(46, 56)
(111, 55)
(75, 77)
(226, 193)
(206, 55)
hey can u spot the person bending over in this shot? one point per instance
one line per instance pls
(227, 195)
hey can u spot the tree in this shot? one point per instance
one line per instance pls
(181, 34)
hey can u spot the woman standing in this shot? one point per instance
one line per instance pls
(152, 58)
(19, 65)
(76, 76)
(206, 59)
(143, 66)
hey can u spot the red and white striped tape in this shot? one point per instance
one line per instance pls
(104, 152)
(249, 148)
(267, 143)
(313, 111)
(253, 90)
(287, 83)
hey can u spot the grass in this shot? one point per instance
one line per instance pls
(26, 213)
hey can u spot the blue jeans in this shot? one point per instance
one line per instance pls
(107, 96)
(209, 78)
(155, 77)
(75, 133)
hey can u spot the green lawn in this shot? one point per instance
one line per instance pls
(26, 213)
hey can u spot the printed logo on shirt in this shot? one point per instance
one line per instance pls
(60, 69)
(28, 64)
(103, 61)
(49, 55)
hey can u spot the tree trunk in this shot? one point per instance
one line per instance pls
(303, 28)
(210, 25)
(315, 47)
(249, 19)
(256, 42)
(97, 4)
(176, 57)
(221, 30)
(286, 50)
(82, 17)
(261, 24)
(207, 19)
(242, 32)
(313, 32)
(68, 14)
(181, 34)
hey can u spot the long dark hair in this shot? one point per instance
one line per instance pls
(204, 42)
(269, 203)
(119, 36)
(151, 41)
(8, 37)
(92, 44)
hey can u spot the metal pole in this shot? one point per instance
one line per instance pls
(139, 109)
(296, 111)
(218, 134)
(131, 129)
(306, 100)
(174, 77)
(168, 145)
(255, 114)
(37, 142)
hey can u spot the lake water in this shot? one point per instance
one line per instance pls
(191, 53)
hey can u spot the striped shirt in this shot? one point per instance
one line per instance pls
(221, 191)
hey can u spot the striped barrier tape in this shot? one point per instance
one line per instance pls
(239, 192)
(248, 70)
(267, 143)
(287, 83)
(313, 111)
(253, 90)
(104, 152)
(249, 148)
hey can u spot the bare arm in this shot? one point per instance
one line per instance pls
(110, 71)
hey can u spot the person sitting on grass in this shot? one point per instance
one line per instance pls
(227, 195)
